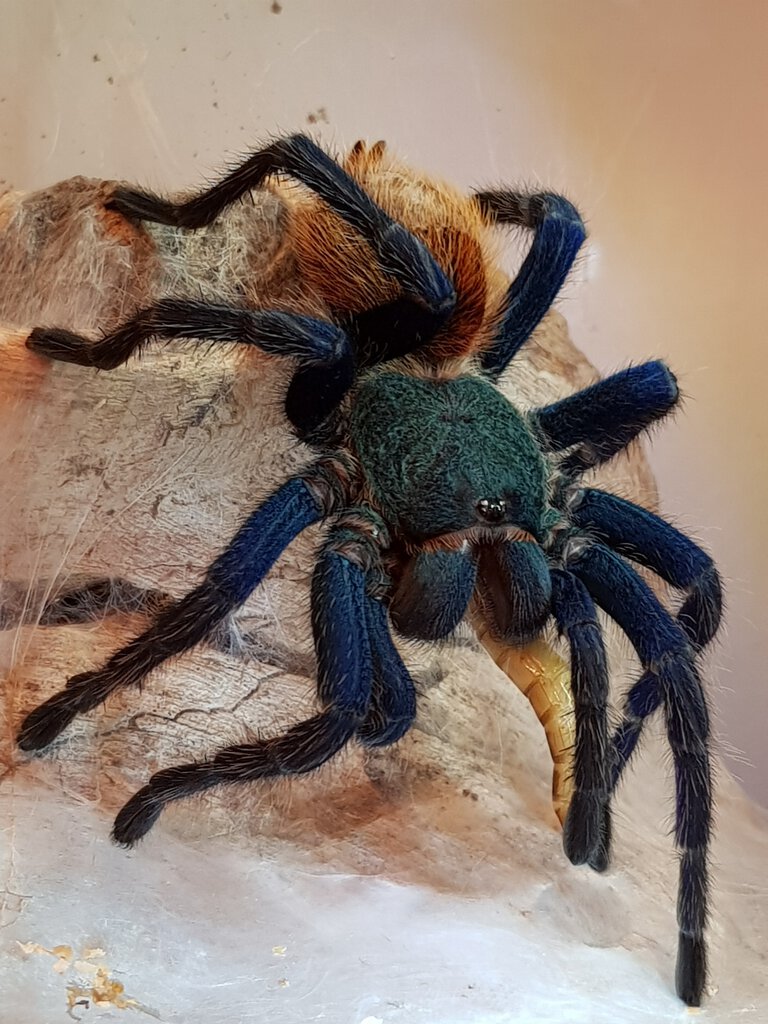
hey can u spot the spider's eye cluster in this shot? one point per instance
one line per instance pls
(492, 510)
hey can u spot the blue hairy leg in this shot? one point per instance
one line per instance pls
(605, 417)
(284, 334)
(669, 660)
(344, 668)
(651, 541)
(433, 594)
(393, 698)
(558, 235)
(228, 582)
(359, 536)
(586, 833)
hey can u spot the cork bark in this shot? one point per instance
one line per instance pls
(141, 475)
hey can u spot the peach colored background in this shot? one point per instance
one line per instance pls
(652, 115)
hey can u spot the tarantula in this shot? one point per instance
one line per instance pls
(437, 491)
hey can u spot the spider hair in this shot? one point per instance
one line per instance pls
(435, 490)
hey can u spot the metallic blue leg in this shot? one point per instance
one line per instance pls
(651, 541)
(344, 668)
(587, 827)
(604, 418)
(669, 661)
(558, 235)
(228, 582)
(393, 701)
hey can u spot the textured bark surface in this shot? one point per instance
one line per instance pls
(142, 474)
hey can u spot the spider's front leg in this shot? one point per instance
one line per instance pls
(669, 661)
(586, 831)
(228, 583)
(519, 590)
(652, 542)
(362, 684)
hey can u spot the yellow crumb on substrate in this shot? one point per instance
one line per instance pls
(99, 990)
(103, 992)
(93, 953)
(545, 679)
(63, 954)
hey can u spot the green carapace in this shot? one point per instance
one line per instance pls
(432, 450)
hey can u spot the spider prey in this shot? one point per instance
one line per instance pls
(437, 491)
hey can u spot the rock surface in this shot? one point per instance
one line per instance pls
(421, 883)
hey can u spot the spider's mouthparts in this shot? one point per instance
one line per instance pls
(474, 535)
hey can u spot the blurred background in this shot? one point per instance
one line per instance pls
(652, 115)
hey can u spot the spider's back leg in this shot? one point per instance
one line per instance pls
(401, 256)
(278, 333)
